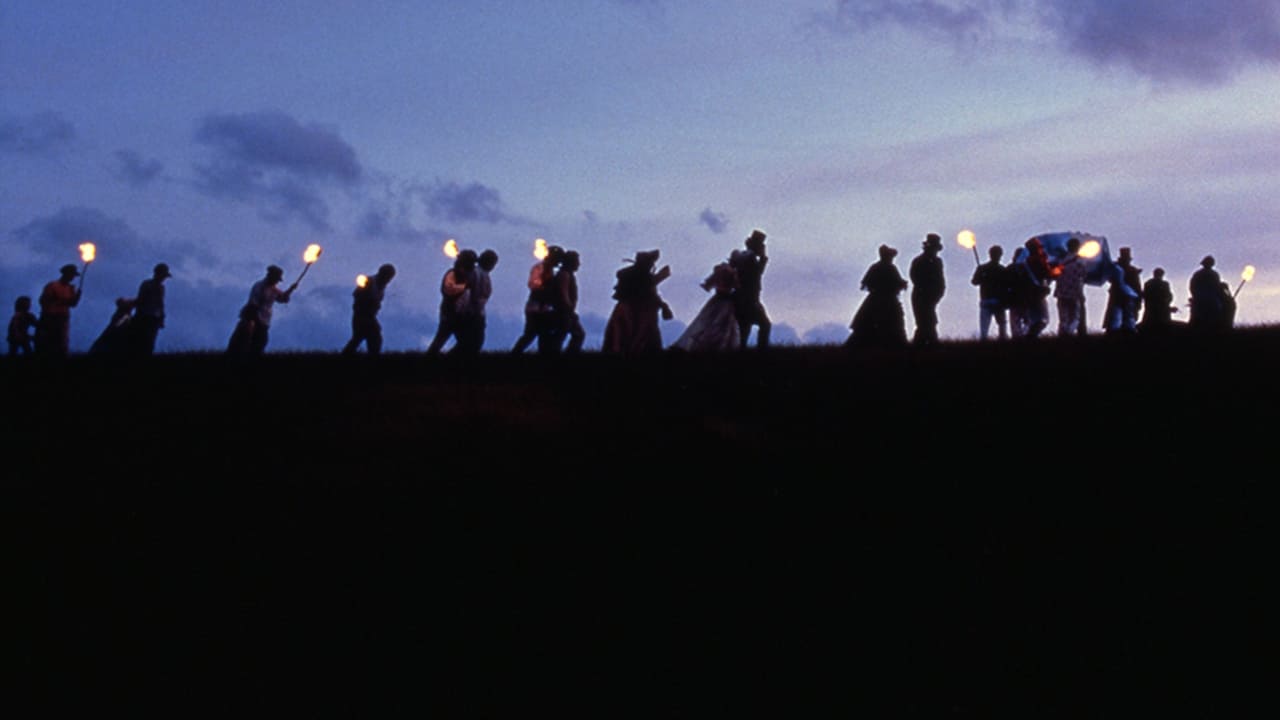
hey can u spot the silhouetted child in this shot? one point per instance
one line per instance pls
(20, 326)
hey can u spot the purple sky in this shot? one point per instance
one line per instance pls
(223, 136)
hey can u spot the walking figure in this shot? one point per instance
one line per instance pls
(749, 266)
(53, 331)
(880, 321)
(928, 284)
(20, 327)
(366, 303)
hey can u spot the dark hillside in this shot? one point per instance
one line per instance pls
(1060, 528)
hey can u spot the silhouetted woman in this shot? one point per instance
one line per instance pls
(715, 327)
(633, 325)
(879, 321)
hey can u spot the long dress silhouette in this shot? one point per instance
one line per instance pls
(715, 327)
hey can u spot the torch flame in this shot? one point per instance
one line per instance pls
(1247, 275)
(1089, 249)
(312, 254)
(88, 252)
(362, 280)
(966, 239)
(540, 249)
(451, 248)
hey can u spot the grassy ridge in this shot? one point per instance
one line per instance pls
(975, 527)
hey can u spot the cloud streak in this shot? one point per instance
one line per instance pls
(1194, 41)
(39, 134)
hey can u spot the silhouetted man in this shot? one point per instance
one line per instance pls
(1158, 307)
(992, 280)
(1206, 297)
(454, 299)
(927, 287)
(748, 309)
(148, 311)
(472, 322)
(364, 312)
(53, 332)
(253, 330)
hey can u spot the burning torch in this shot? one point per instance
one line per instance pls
(451, 248)
(1089, 249)
(87, 253)
(540, 249)
(362, 281)
(1245, 277)
(309, 257)
(967, 240)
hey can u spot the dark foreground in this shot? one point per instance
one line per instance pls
(1056, 529)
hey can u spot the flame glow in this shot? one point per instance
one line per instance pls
(540, 249)
(966, 239)
(1089, 249)
(88, 252)
(451, 248)
(362, 280)
(312, 254)
(1247, 275)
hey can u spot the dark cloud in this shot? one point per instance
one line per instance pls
(38, 134)
(1202, 41)
(472, 202)
(272, 161)
(134, 170)
(1198, 40)
(717, 222)
(57, 237)
(275, 141)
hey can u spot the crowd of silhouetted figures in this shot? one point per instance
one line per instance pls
(1014, 297)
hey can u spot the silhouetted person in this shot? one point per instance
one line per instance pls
(1068, 290)
(1207, 307)
(148, 311)
(472, 323)
(539, 309)
(1158, 307)
(1124, 295)
(1030, 271)
(715, 327)
(565, 302)
(749, 266)
(21, 326)
(992, 280)
(117, 337)
(53, 332)
(928, 284)
(454, 300)
(366, 302)
(253, 331)
(633, 325)
(880, 320)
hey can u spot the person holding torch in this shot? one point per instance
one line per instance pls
(53, 330)
(252, 331)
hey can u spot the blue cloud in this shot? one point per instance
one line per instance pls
(1199, 41)
(274, 162)
(134, 170)
(39, 134)
(717, 222)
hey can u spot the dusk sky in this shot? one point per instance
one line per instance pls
(222, 136)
